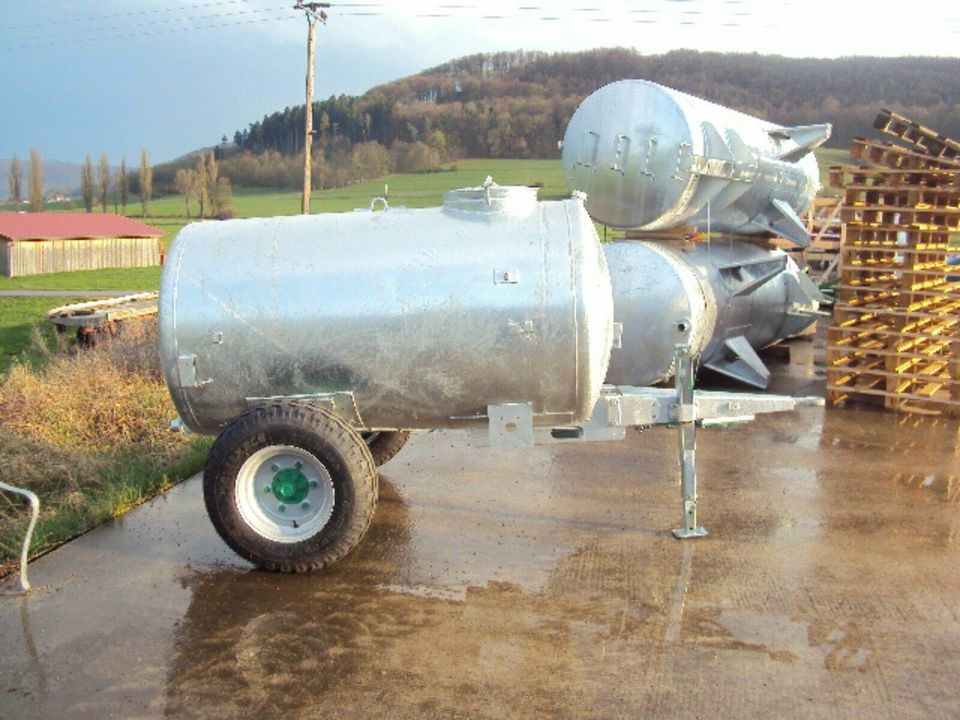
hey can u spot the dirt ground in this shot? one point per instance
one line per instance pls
(538, 583)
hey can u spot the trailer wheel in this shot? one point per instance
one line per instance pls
(290, 487)
(384, 445)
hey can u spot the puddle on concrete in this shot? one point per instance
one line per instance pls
(865, 428)
(933, 487)
(247, 642)
(776, 636)
(834, 646)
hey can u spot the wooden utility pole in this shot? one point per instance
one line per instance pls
(314, 12)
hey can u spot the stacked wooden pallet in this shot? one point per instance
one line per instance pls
(826, 237)
(896, 332)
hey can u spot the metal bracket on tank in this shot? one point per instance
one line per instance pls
(187, 372)
(510, 425)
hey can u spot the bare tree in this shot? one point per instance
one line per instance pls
(218, 189)
(213, 172)
(202, 191)
(146, 181)
(36, 181)
(86, 183)
(123, 185)
(15, 183)
(185, 182)
(103, 180)
(222, 199)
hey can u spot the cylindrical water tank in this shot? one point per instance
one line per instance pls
(723, 299)
(653, 158)
(661, 301)
(425, 316)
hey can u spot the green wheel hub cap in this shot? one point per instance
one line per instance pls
(290, 486)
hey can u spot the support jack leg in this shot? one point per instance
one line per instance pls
(687, 445)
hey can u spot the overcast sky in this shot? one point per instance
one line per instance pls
(111, 76)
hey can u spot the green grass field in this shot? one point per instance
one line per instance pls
(18, 318)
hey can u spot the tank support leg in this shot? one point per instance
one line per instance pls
(687, 444)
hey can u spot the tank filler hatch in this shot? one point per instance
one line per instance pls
(491, 198)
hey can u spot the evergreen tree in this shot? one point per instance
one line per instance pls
(36, 181)
(86, 183)
(146, 181)
(103, 181)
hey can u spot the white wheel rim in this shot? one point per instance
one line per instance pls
(284, 494)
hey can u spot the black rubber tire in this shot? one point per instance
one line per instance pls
(384, 445)
(335, 444)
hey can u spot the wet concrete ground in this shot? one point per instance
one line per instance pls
(539, 583)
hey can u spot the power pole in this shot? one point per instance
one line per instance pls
(314, 12)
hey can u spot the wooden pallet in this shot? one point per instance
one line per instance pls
(895, 337)
(932, 142)
(893, 156)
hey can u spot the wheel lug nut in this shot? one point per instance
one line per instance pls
(275, 467)
(305, 506)
(282, 508)
(267, 489)
(298, 465)
(314, 483)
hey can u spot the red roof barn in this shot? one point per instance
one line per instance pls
(32, 243)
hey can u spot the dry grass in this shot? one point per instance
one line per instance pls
(106, 397)
(88, 432)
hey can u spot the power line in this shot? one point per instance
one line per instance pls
(441, 11)
(176, 20)
(132, 33)
(130, 13)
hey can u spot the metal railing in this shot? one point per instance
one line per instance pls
(34, 514)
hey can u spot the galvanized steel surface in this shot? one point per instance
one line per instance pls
(765, 295)
(661, 301)
(425, 316)
(704, 295)
(653, 158)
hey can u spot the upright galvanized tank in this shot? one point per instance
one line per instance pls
(653, 158)
(425, 316)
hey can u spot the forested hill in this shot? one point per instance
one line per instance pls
(518, 104)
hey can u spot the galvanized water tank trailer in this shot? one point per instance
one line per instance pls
(290, 336)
